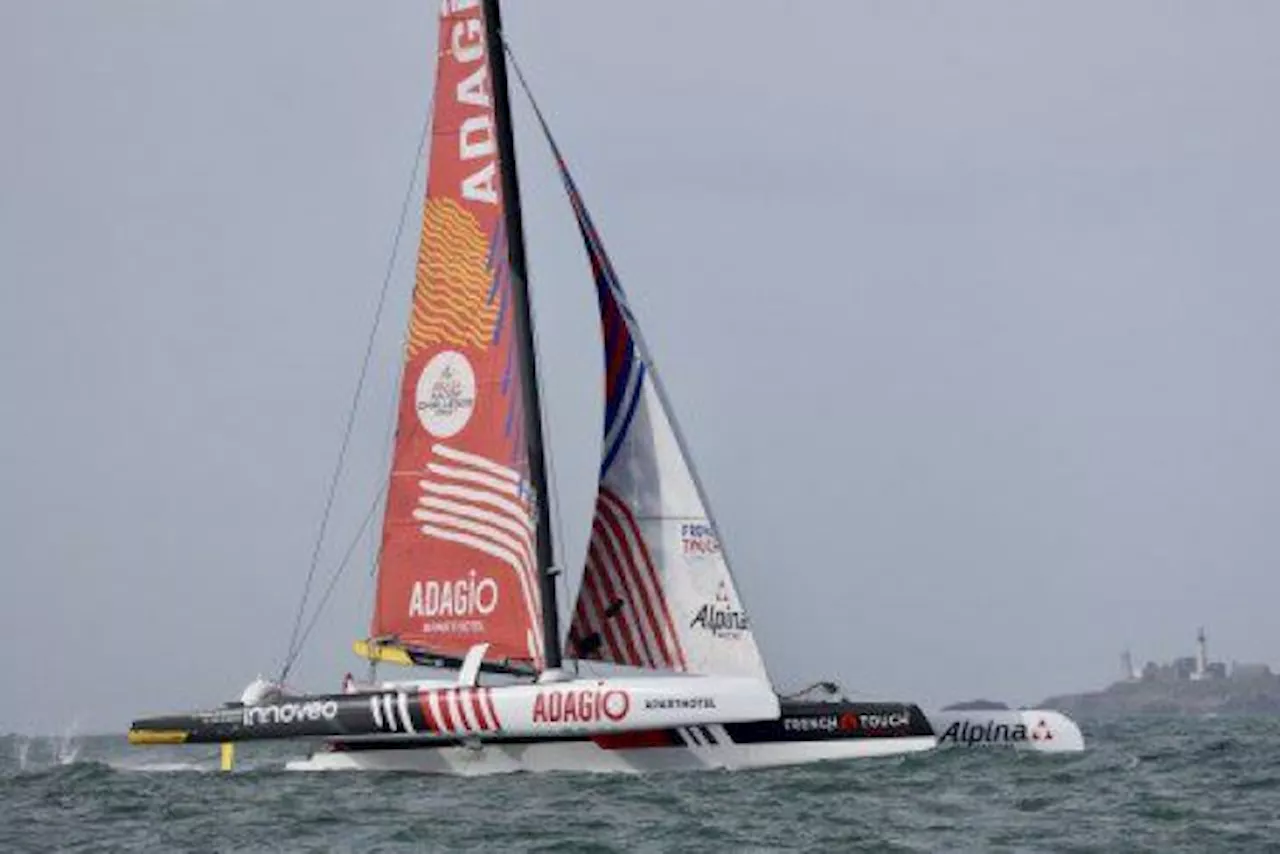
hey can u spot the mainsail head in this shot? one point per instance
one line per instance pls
(656, 590)
(459, 561)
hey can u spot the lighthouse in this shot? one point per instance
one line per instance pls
(1202, 656)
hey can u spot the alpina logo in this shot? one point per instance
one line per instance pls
(446, 394)
(721, 618)
(988, 732)
(580, 705)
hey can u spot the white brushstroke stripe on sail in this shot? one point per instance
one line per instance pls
(476, 477)
(480, 503)
(514, 552)
(491, 533)
(447, 508)
(531, 643)
(507, 523)
(454, 455)
(511, 508)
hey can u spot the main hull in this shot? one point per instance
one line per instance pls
(613, 725)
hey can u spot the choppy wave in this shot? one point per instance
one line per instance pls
(1143, 785)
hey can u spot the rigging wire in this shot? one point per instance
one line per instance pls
(342, 565)
(294, 642)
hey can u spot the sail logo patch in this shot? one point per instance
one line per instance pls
(467, 597)
(722, 617)
(698, 540)
(446, 394)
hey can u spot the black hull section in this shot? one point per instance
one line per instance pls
(323, 715)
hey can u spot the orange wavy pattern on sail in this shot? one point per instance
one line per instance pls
(453, 281)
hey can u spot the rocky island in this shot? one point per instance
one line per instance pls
(1192, 685)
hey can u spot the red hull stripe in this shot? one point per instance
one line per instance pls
(446, 714)
(477, 707)
(424, 701)
(456, 696)
(493, 712)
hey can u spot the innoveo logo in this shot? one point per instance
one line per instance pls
(287, 713)
(470, 596)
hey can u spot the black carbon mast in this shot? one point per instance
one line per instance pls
(524, 330)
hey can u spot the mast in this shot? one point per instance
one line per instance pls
(524, 329)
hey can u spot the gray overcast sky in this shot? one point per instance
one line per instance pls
(969, 312)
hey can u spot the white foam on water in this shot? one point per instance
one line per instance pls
(145, 767)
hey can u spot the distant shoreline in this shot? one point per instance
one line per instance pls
(1255, 695)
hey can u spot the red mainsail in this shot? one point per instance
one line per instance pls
(458, 564)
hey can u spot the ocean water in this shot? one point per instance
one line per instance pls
(1143, 785)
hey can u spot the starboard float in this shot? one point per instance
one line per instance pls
(466, 571)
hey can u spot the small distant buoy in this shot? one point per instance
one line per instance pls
(228, 755)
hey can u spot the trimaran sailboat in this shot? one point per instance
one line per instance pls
(466, 579)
